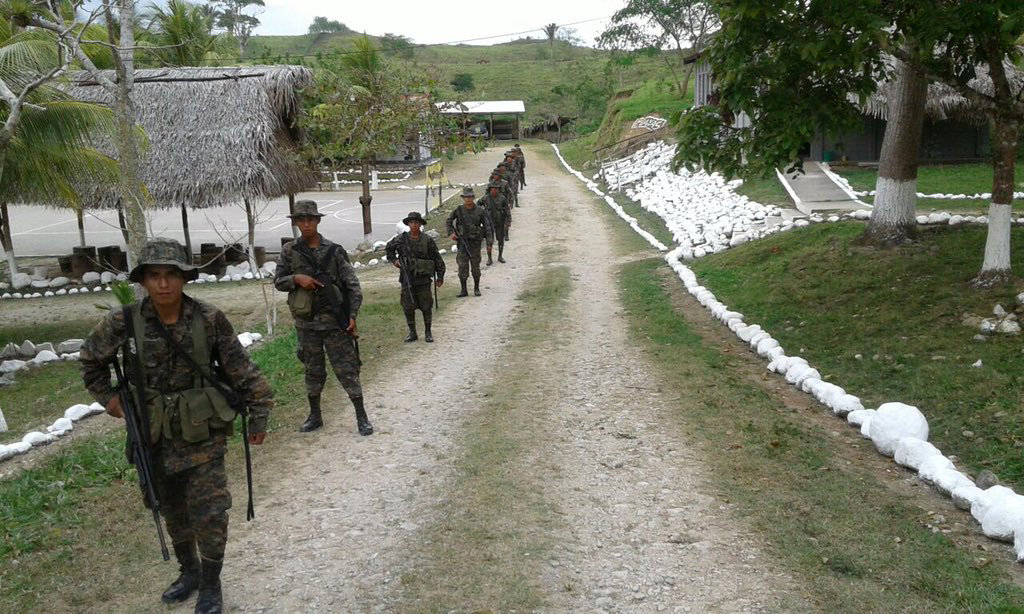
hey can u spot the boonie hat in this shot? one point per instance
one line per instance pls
(414, 217)
(468, 191)
(162, 251)
(305, 208)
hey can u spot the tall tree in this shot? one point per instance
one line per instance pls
(551, 31)
(180, 33)
(238, 18)
(682, 26)
(322, 25)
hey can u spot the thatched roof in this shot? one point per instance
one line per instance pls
(215, 135)
(943, 101)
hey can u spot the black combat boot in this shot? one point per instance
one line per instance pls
(314, 421)
(490, 260)
(210, 601)
(187, 583)
(464, 291)
(410, 319)
(365, 428)
(501, 252)
(476, 286)
(429, 338)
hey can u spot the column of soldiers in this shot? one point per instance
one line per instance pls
(188, 373)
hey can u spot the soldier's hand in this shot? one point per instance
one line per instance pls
(454, 237)
(397, 264)
(306, 282)
(257, 438)
(439, 282)
(352, 327)
(114, 407)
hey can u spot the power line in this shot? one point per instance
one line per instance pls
(336, 53)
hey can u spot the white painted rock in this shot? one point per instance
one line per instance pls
(893, 421)
(28, 349)
(44, 357)
(10, 366)
(69, 346)
(40, 283)
(21, 280)
(245, 339)
(987, 499)
(3, 422)
(965, 496)
(1008, 327)
(61, 426)
(847, 404)
(107, 277)
(911, 452)
(35, 438)
(236, 277)
(270, 266)
(858, 417)
(933, 466)
(1003, 518)
(90, 277)
(59, 282)
(77, 412)
(948, 480)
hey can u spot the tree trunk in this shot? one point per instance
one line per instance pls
(291, 210)
(365, 200)
(80, 214)
(894, 218)
(185, 231)
(250, 220)
(5, 239)
(996, 267)
(132, 194)
(122, 224)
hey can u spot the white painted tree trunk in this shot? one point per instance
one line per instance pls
(894, 217)
(997, 243)
(996, 268)
(3, 422)
(133, 195)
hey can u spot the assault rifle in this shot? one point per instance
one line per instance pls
(138, 450)
(407, 267)
(339, 305)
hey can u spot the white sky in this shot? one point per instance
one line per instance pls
(441, 21)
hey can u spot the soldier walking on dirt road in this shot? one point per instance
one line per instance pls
(324, 298)
(184, 354)
(421, 266)
(521, 160)
(469, 226)
(501, 216)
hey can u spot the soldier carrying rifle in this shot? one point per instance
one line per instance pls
(469, 225)
(188, 377)
(420, 265)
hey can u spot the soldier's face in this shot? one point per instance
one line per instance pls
(415, 227)
(164, 284)
(494, 191)
(468, 201)
(307, 225)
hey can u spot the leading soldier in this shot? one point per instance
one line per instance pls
(421, 265)
(521, 159)
(189, 420)
(501, 217)
(324, 298)
(469, 226)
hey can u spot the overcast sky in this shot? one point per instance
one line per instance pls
(441, 21)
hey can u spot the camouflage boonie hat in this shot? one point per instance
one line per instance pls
(468, 191)
(305, 208)
(494, 184)
(414, 217)
(163, 251)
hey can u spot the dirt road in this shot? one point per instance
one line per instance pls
(605, 479)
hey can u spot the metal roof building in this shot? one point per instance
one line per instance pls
(507, 128)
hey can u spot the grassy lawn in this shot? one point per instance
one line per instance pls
(767, 191)
(901, 310)
(40, 396)
(836, 527)
(54, 332)
(73, 533)
(966, 179)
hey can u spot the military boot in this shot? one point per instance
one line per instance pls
(410, 319)
(476, 286)
(210, 601)
(187, 583)
(464, 291)
(429, 338)
(314, 421)
(365, 428)
(501, 252)
(490, 260)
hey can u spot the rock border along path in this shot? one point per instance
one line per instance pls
(898, 431)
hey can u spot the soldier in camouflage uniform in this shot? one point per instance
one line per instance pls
(188, 453)
(506, 189)
(417, 252)
(470, 225)
(521, 160)
(501, 216)
(507, 170)
(310, 270)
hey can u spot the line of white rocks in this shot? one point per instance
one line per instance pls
(65, 424)
(845, 183)
(897, 430)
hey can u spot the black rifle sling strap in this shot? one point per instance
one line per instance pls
(234, 399)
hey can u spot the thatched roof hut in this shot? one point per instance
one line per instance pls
(215, 135)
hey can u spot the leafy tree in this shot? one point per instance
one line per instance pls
(322, 25)
(682, 25)
(181, 34)
(397, 45)
(239, 24)
(463, 82)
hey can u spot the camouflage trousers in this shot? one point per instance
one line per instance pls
(340, 348)
(501, 223)
(418, 297)
(195, 504)
(469, 260)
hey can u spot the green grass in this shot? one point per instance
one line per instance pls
(658, 97)
(39, 396)
(54, 331)
(901, 310)
(765, 190)
(965, 179)
(837, 528)
(495, 526)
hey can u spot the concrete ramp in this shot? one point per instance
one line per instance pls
(814, 190)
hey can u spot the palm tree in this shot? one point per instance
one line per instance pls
(181, 34)
(551, 31)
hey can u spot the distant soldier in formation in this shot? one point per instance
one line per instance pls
(189, 418)
(469, 226)
(508, 174)
(421, 265)
(324, 298)
(496, 205)
(521, 158)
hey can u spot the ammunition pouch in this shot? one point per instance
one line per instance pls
(300, 303)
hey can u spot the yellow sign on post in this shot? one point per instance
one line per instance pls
(435, 175)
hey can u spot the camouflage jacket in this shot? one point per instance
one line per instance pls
(497, 207)
(167, 372)
(341, 272)
(424, 252)
(471, 224)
